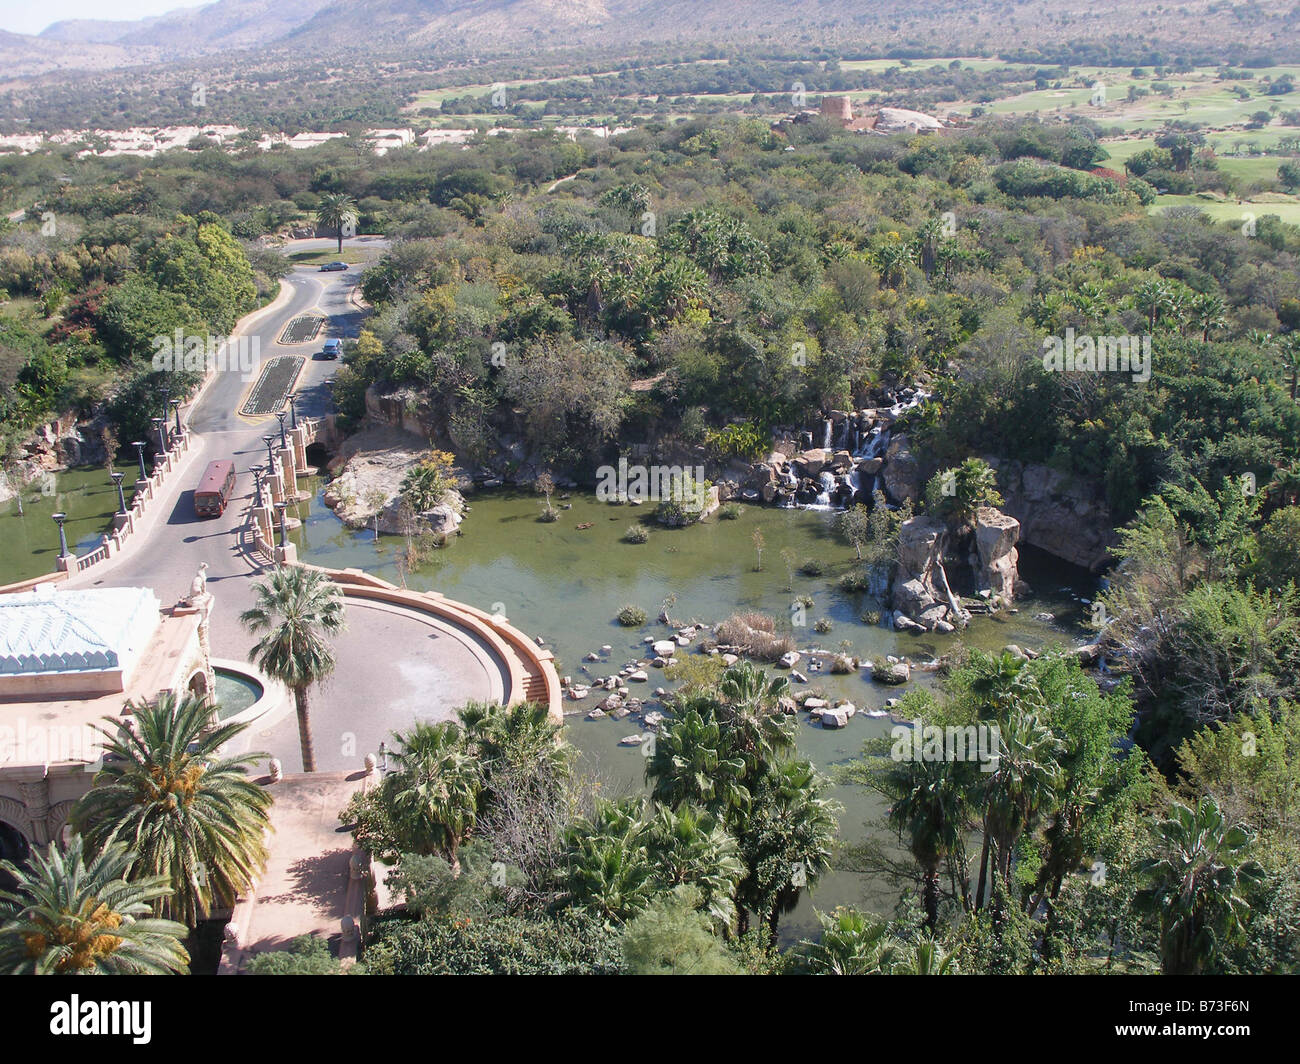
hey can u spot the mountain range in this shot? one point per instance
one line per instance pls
(315, 28)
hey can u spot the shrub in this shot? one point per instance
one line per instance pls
(822, 624)
(636, 534)
(549, 514)
(729, 512)
(631, 616)
(755, 634)
(812, 567)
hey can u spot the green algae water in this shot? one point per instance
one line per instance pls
(566, 584)
(29, 543)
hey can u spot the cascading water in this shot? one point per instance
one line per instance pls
(873, 444)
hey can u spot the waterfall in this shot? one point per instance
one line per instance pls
(827, 482)
(826, 435)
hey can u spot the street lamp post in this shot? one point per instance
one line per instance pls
(121, 499)
(257, 483)
(139, 453)
(282, 415)
(176, 411)
(270, 455)
(293, 410)
(166, 398)
(160, 426)
(284, 528)
(59, 518)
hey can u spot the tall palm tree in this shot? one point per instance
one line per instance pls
(786, 842)
(73, 915)
(297, 609)
(184, 812)
(930, 811)
(1196, 885)
(337, 211)
(1020, 790)
(435, 790)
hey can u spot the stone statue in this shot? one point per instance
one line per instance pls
(199, 585)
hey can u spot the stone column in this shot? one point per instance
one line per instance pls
(298, 440)
(289, 473)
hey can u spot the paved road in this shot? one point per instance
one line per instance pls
(384, 679)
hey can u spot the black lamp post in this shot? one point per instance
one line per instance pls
(59, 518)
(121, 499)
(284, 528)
(383, 757)
(160, 427)
(282, 415)
(257, 483)
(166, 398)
(270, 455)
(176, 411)
(139, 453)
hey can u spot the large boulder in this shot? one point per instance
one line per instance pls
(891, 673)
(902, 472)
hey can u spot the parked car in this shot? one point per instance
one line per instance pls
(331, 267)
(332, 348)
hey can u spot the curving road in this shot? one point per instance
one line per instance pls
(385, 656)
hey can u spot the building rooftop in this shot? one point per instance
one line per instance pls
(55, 631)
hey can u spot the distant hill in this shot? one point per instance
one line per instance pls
(305, 30)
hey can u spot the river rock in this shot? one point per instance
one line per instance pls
(790, 659)
(834, 718)
(638, 676)
(892, 673)
(665, 648)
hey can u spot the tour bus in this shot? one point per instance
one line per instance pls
(214, 490)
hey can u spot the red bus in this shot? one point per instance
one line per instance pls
(214, 490)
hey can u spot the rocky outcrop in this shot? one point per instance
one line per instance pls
(368, 484)
(901, 472)
(996, 556)
(1061, 515)
(55, 446)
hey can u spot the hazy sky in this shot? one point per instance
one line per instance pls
(23, 16)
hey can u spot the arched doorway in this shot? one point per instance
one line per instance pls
(13, 847)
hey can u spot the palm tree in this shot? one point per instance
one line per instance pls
(337, 211)
(853, 943)
(296, 609)
(1152, 297)
(750, 711)
(690, 845)
(692, 761)
(1209, 313)
(930, 812)
(1020, 790)
(609, 865)
(926, 958)
(786, 841)
(73, 915)
(1196, 884)
(435, 790)
(184, 812)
